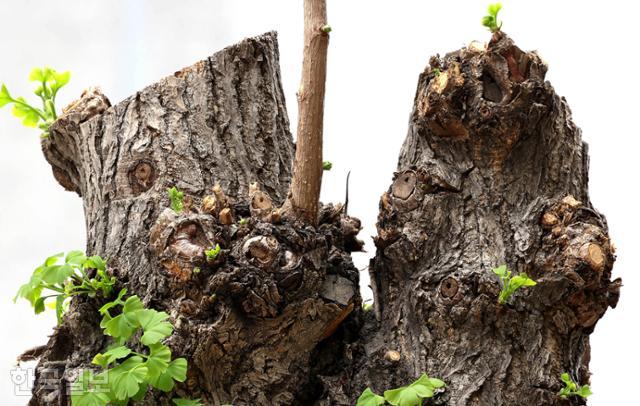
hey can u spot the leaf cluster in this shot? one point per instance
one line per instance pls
(327, 165)
(511, 284)
(572, 389)
(177, 199)
(127, 375)
(410, 395)
(59, 282)
(49, 83)
(213, 253)
(491, 19)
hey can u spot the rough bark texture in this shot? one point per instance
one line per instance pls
(278, 290)
(493, 171)
(307, 169)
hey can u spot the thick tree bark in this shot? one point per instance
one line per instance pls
(278, 291)
(493, 171)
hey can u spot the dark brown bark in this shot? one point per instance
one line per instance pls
(302, 201)
(278, 290)
(493, 171)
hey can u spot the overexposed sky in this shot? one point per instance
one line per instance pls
(377, 50)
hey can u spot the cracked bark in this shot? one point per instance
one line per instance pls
(493, 171)
(219, 124)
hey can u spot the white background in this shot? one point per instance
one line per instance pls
(377, 50)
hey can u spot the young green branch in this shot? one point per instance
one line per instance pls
(49, 83)
(56, 283)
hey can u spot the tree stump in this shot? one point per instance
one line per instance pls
(493, 171)
(218, 130)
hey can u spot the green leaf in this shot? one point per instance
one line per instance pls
(87, 391)
(401, 397)
(125, 379)
(60, 79)
(57, 274)
(5, 97)
(28, 114)
(501, 271)
(104, 310)
(32, 290)
(565, 378)
(75, 258)
(132, 305)
(212, 254)
(413, 394)
(111, 356)
(176, 371)
(584, 391)
(123, 325)
(95, 262)
(493, 9)
(154, 325)
(326, 165)
(369, 398)
(186, 402)
(522, 280)
(436, 383)
(176, 197)
(37, 75)
(52, 260)
(42, 74)
(144, 387)
(38, 307)
(60, 309)
(158, 361)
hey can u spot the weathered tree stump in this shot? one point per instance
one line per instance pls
(249, 321)
(493, 171)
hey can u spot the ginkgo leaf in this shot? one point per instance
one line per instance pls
(125, 379)
(60, 79)
(95, 262)
(56, 274)
(86, 392)
(75, 257)
(5, 97)
(118, 301)
(110, 356)
(413, 394)
(176, 371)
(158, 361)
(28, 114)
(154, 325)
(369, 398)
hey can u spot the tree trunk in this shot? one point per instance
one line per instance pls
(220, 122)
(493, 171)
